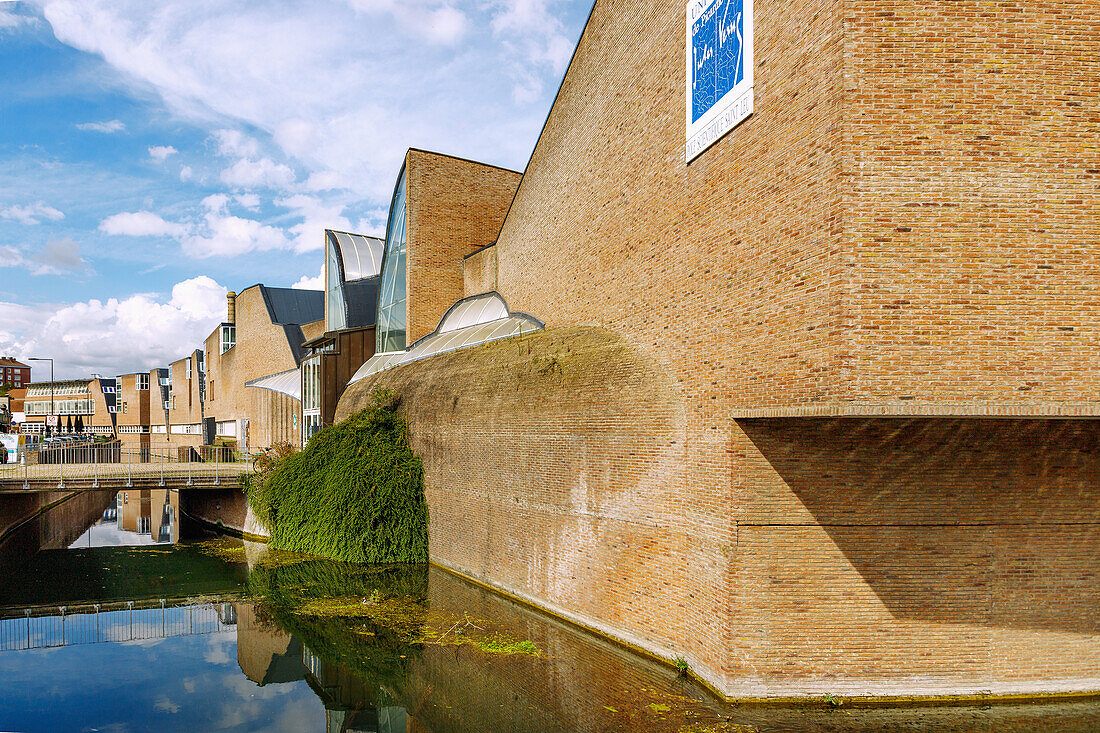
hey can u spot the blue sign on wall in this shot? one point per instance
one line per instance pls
(719, 70)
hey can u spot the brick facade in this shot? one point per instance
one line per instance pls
(905, 226)
(479, 271)
(455, 207)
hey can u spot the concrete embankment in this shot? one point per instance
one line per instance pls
(225, 509)
(886, 558)
(35, 521)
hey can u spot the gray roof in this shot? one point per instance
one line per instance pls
(290, 306)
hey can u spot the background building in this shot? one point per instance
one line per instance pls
(14, 373)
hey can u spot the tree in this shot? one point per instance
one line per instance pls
(79, 424)
(70, 428)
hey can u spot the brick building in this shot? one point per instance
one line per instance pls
(14, 373)
(815, 407)
(262, 336)
(443, 208)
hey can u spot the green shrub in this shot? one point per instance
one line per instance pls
(356, 493)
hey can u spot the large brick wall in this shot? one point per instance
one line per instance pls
(872, 240)
(455, 206)
(851, 556)
(972, 204)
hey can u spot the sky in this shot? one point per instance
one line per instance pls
(155, 155)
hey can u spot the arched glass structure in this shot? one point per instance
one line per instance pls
(351, 288)
(392, 311)
(472, 321)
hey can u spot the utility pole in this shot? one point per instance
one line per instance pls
(35, 358)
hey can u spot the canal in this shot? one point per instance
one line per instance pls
(116, 614)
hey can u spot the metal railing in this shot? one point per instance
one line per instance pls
(114, 464)
(58, 626)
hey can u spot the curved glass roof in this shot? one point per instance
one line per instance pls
(471, 321)
(288, 383)
(361, 256)
(473, 310)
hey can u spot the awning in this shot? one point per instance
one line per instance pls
(288, 383)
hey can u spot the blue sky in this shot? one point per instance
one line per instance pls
(154, 155)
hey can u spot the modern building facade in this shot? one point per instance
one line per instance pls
(443, 208)
(353, 263)
(816, 404)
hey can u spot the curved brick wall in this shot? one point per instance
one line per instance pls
(852, 556)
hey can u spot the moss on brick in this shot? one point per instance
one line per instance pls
(356, 493)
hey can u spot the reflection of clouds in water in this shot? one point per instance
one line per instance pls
(165, 705)
(216, 649)
(299, 714)
(188, 685)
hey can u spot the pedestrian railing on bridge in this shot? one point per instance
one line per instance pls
(95, 464)
(57, 626)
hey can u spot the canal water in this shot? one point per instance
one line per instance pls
(115, 615)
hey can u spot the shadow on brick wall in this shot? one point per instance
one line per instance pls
(970, 521)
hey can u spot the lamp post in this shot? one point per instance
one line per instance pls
(35, 358)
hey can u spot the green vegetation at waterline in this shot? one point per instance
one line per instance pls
(356, 493)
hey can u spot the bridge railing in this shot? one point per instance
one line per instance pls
(122, 463)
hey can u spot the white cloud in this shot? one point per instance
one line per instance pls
(31, 213)
(186, 174)
(248, 200)
(115, 336)
(311, 283)
(316, 216)
(263, 173)
(225, 235)
(235, 144)
(435, 74)
(160, 153)
(10, 20)
(436, 22)
(141, 224)
(111, 126)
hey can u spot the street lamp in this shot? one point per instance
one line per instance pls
(35, 358)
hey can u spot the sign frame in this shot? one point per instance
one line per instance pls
(736, 105)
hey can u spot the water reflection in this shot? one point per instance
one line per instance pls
(221, 635)
(136, 517)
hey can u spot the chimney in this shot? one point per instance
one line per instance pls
(231, 316)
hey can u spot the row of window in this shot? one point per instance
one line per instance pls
(60, 407)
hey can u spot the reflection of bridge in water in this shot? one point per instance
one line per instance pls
(44, 627)
(266, 654)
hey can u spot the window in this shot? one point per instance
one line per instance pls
(311, 385)
(337, 317)
(188, 367)
(124, 408)
(143, 381)
(229, 337)
(392, 303)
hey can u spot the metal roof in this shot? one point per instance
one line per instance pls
(290, 306)
(288, 383)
